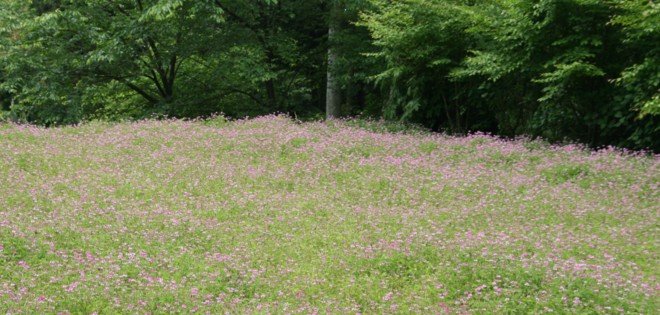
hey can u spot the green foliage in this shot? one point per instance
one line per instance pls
(421, 42)
(352, 68)
(87, 59)
(583, 70)
(383, 126)
(641, 79)
(577, 69)
(274, 54)
(72, 61)
(15, 249)
(563, 173)
(216, 121)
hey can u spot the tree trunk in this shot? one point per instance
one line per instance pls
(272, 96)
(271, 91)
(333, 91)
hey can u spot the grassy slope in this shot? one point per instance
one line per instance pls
(268, 216)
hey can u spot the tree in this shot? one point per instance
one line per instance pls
(586, 70)
(10, 15)
(641, 79)
(576, 69)
(420, 42)
(66, 60)
(552, 56)
(333, 90)
(284, 37)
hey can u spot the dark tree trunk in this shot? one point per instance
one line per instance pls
(333, 90)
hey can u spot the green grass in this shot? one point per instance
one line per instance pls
(270, 216)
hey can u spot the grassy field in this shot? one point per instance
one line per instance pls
(267, 216)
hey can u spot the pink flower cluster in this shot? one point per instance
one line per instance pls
(269, 216)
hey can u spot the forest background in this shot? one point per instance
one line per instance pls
(563, 70)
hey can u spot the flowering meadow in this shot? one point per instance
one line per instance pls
(271, 216)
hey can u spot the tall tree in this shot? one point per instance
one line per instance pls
(333, 90)
(420, 42)
(283, 37)
(65, 60)
(11, 14)
(541, 67)
(641, 79)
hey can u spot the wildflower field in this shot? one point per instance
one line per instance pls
(269, 216)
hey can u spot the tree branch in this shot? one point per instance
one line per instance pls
(154, 78)
(233, 14)
(142, 92)
(156, 60)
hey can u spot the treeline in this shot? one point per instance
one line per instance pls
(577, 70)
